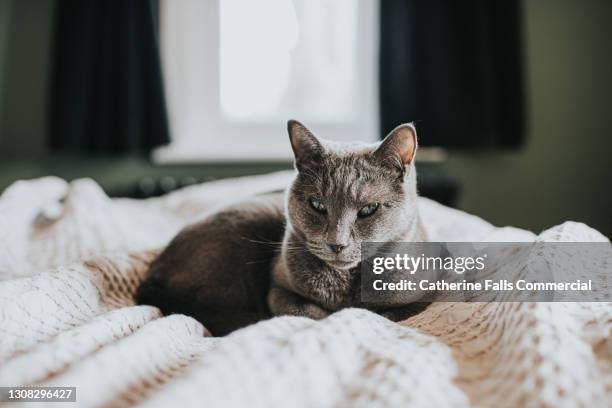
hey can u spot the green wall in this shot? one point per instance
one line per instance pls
(565, 171)
(562, 173)
(5, 26)
(26, 32)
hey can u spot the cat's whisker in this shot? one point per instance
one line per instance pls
(278, 244)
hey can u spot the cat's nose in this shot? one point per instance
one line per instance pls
(336, 248)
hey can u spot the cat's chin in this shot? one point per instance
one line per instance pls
(333, 262)
(343, 265)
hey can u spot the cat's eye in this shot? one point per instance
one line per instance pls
(317, 205)
(368, 210)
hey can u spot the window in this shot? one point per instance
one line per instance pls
(236, 70)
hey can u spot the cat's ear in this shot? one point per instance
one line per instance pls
(307, 149)
(399, 147)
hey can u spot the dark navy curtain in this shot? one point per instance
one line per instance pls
(456, 67)
(106, 91)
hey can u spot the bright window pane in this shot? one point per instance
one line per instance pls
(282, 58)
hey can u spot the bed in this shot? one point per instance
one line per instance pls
(71, 259)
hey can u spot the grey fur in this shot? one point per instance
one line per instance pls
(309, 278)
(271, 255)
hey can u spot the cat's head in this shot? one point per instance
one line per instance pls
(345, 194)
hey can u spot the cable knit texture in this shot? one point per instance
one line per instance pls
(71, 259)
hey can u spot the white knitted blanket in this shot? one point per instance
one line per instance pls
(68, 272)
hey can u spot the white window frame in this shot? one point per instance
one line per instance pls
(189, 41)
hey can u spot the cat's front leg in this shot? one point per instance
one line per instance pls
(284, 302)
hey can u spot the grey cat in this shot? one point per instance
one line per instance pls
(296, 253)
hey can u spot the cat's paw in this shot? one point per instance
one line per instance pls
(284, 302)
(312, 311)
